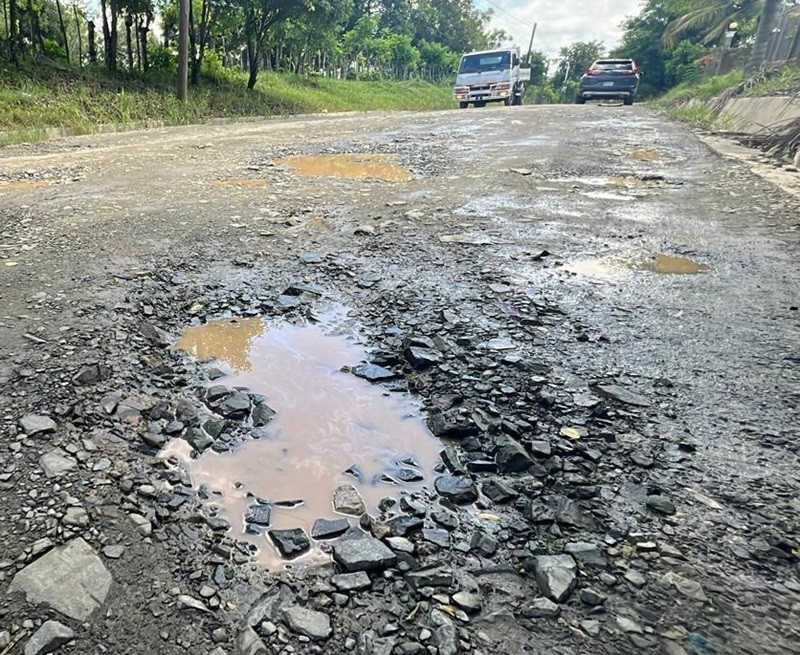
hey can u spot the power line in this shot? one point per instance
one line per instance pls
(509, 14)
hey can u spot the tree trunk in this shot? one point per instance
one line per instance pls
(80, 38)
(63, 29)
(114, 35)
(195, 72)
(6, 24)
(129, 40)
(13, 30)
(763, 35)
(143, 30)
(36, 33)
(252, 60)
(137, 32)
(106, 33)
(92, 42)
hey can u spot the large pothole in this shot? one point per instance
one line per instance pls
(336, 440)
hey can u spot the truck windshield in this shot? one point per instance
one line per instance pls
(489, 61)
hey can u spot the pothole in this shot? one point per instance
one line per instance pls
(645, 155)
(22, 185)
(613, 268)
(331, 431)
(352, 166)
(673, 265)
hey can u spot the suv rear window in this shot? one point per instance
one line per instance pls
(613, 65)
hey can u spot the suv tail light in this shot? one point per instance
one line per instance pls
(592, 71)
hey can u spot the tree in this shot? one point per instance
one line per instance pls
(708, 18)
(763, 36)
(575, 59)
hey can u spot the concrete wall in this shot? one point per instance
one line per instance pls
(751, 115)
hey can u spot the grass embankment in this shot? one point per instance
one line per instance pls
(691, 102)
(32, 102)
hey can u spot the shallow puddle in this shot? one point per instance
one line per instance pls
(351, 166)
(614, 268)
(645, 155)
(25, 184)
(327, 422)
(673, 265)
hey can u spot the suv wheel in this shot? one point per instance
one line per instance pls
(629, 100)
(580, 100)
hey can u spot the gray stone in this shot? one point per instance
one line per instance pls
(314, 625)
(347, 500)
(249, 643)
(444, 633)
(56, 462)
(5, 638)
(373, 372)
(438, 576)
(363, 555)
(236, 406)
(329, 529)
(421, 358)
(542, 608)
(459, 489)
(616, 392)
(51, 636)
(70, 579)
(260, 514)
(635, 578)
(586, 553)
(351, 581)
(262, 414)
(114, 551)
(77, 517)
(591, 597)
(498, 491)
(37, 424)
(591, 627)
(661, 504)
(556, 576)
(512, 458)
(290, 543)
(483, 544)
(470, 603)
(628, 625)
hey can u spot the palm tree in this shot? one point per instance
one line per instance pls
(763, 36)
(711, 18)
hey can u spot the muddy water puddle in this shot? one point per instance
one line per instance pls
(23, 185)
(330, 429)
(615, 268)
(350, 166)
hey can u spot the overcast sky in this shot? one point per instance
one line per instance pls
(561, 22)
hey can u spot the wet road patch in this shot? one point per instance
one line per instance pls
(673, 265)
(322, 445)
(350, 166)
(618, 267)
(24, 185)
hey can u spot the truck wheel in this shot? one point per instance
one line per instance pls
(629, 100)
(580, 100)
(480, 103)
(507, 101)
(517, 100)
(463, 105)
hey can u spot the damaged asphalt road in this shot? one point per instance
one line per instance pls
(594, 314)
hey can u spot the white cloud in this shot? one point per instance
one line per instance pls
(561, 22)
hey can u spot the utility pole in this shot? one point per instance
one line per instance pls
(183, 50)
(530, 45)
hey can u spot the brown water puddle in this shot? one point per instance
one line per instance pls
(645, 155)
(327, 422)
(244, 182)
(673, 265)
(351, 166)
(615, 268)
(25, 184)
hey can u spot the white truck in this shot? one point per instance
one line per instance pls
(491, 76)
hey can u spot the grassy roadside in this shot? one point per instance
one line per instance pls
(691, 102)
(83, 102)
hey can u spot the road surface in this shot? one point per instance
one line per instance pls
(603, 314)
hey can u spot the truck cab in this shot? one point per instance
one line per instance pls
(491, 76)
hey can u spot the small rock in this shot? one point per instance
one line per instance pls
(498, 491)
(616, 392)
(56, 463)
(290, 543)
(512, 458)
(542, 608)
(628, 625)
(329, 529)
(36, 424)
(459, 489)
(556, 576)
(373, 372)
(347, 500)
(351, 581)
(422, 358)
(113, 552)
(306, 622)
(591, 627)
(661, 504)
(365, 554)
(470, 603)
(249, 643)
(51, 636)
(77, 517)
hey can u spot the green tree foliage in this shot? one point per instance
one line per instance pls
(575, 59)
